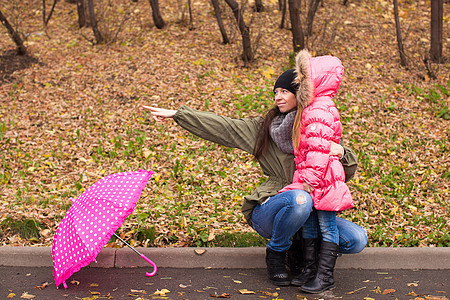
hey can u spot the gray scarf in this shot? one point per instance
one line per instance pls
(281, 131)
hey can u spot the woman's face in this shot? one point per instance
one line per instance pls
(285, 100)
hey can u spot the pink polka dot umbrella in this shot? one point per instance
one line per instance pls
(91, 220)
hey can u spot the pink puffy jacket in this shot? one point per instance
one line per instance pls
(320, 125)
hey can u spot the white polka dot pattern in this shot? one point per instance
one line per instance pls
(92, 219)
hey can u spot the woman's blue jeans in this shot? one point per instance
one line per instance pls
(282, 215)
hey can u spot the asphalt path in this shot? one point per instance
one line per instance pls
(200, 283)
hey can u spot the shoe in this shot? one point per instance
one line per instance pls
(310, 252)
(324, 279)
(276, 267)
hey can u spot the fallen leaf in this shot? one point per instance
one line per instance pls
(95, 293)
(93, 284)
(162, 292)
(376, 290)
(237, 281)
(42, 286)
(199, 251)
(211, 235)
(182, 286)
(245, 292)
(415, 283)
(25, 295)
(357, 290)
(368, 298)
(75, 282)
(11, 295)
(270, 294)
(224, 295)
(388, 291)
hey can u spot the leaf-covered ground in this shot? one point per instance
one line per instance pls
(69, 115)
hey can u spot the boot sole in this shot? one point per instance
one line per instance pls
(329, 288)
(282, 283)
(296, 283)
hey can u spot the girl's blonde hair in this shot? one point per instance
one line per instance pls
(305, 92)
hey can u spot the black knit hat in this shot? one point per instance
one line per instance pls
(286, 81)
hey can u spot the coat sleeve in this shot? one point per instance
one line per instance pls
(349, 161)
(319, 133)
(229, 132)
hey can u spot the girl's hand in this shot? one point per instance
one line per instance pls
(160, 114)
(336, 149)
(307, 188)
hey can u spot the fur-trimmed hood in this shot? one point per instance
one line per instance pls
(316, 76)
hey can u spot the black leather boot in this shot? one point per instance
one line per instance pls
(324, 279)
(276, 267)
(295, 259)
(311, 253)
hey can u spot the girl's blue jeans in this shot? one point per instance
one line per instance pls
(282, 215)
(321, 223)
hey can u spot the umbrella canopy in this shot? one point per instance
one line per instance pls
(91, 220)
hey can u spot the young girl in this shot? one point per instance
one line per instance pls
(316, 125)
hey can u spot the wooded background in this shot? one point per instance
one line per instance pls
(70, 94)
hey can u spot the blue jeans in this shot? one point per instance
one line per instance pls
(323, 222)
(352, 237)
(281, 216)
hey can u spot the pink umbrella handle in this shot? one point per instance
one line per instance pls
(153, 265)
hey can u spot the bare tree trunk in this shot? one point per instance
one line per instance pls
(283, 12)
(21, 49)
(218, 13)
(403, 60)
(43, 12)
(156, 13)
(313, 6)
(437, 16)
(191, 19)
(81, 13)
(44, 19)
(259, 6)
(298, 38)
(98, 35)
(247, 55)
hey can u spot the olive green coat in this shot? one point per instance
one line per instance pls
(278, 166)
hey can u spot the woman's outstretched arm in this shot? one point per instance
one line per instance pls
(226, 131)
